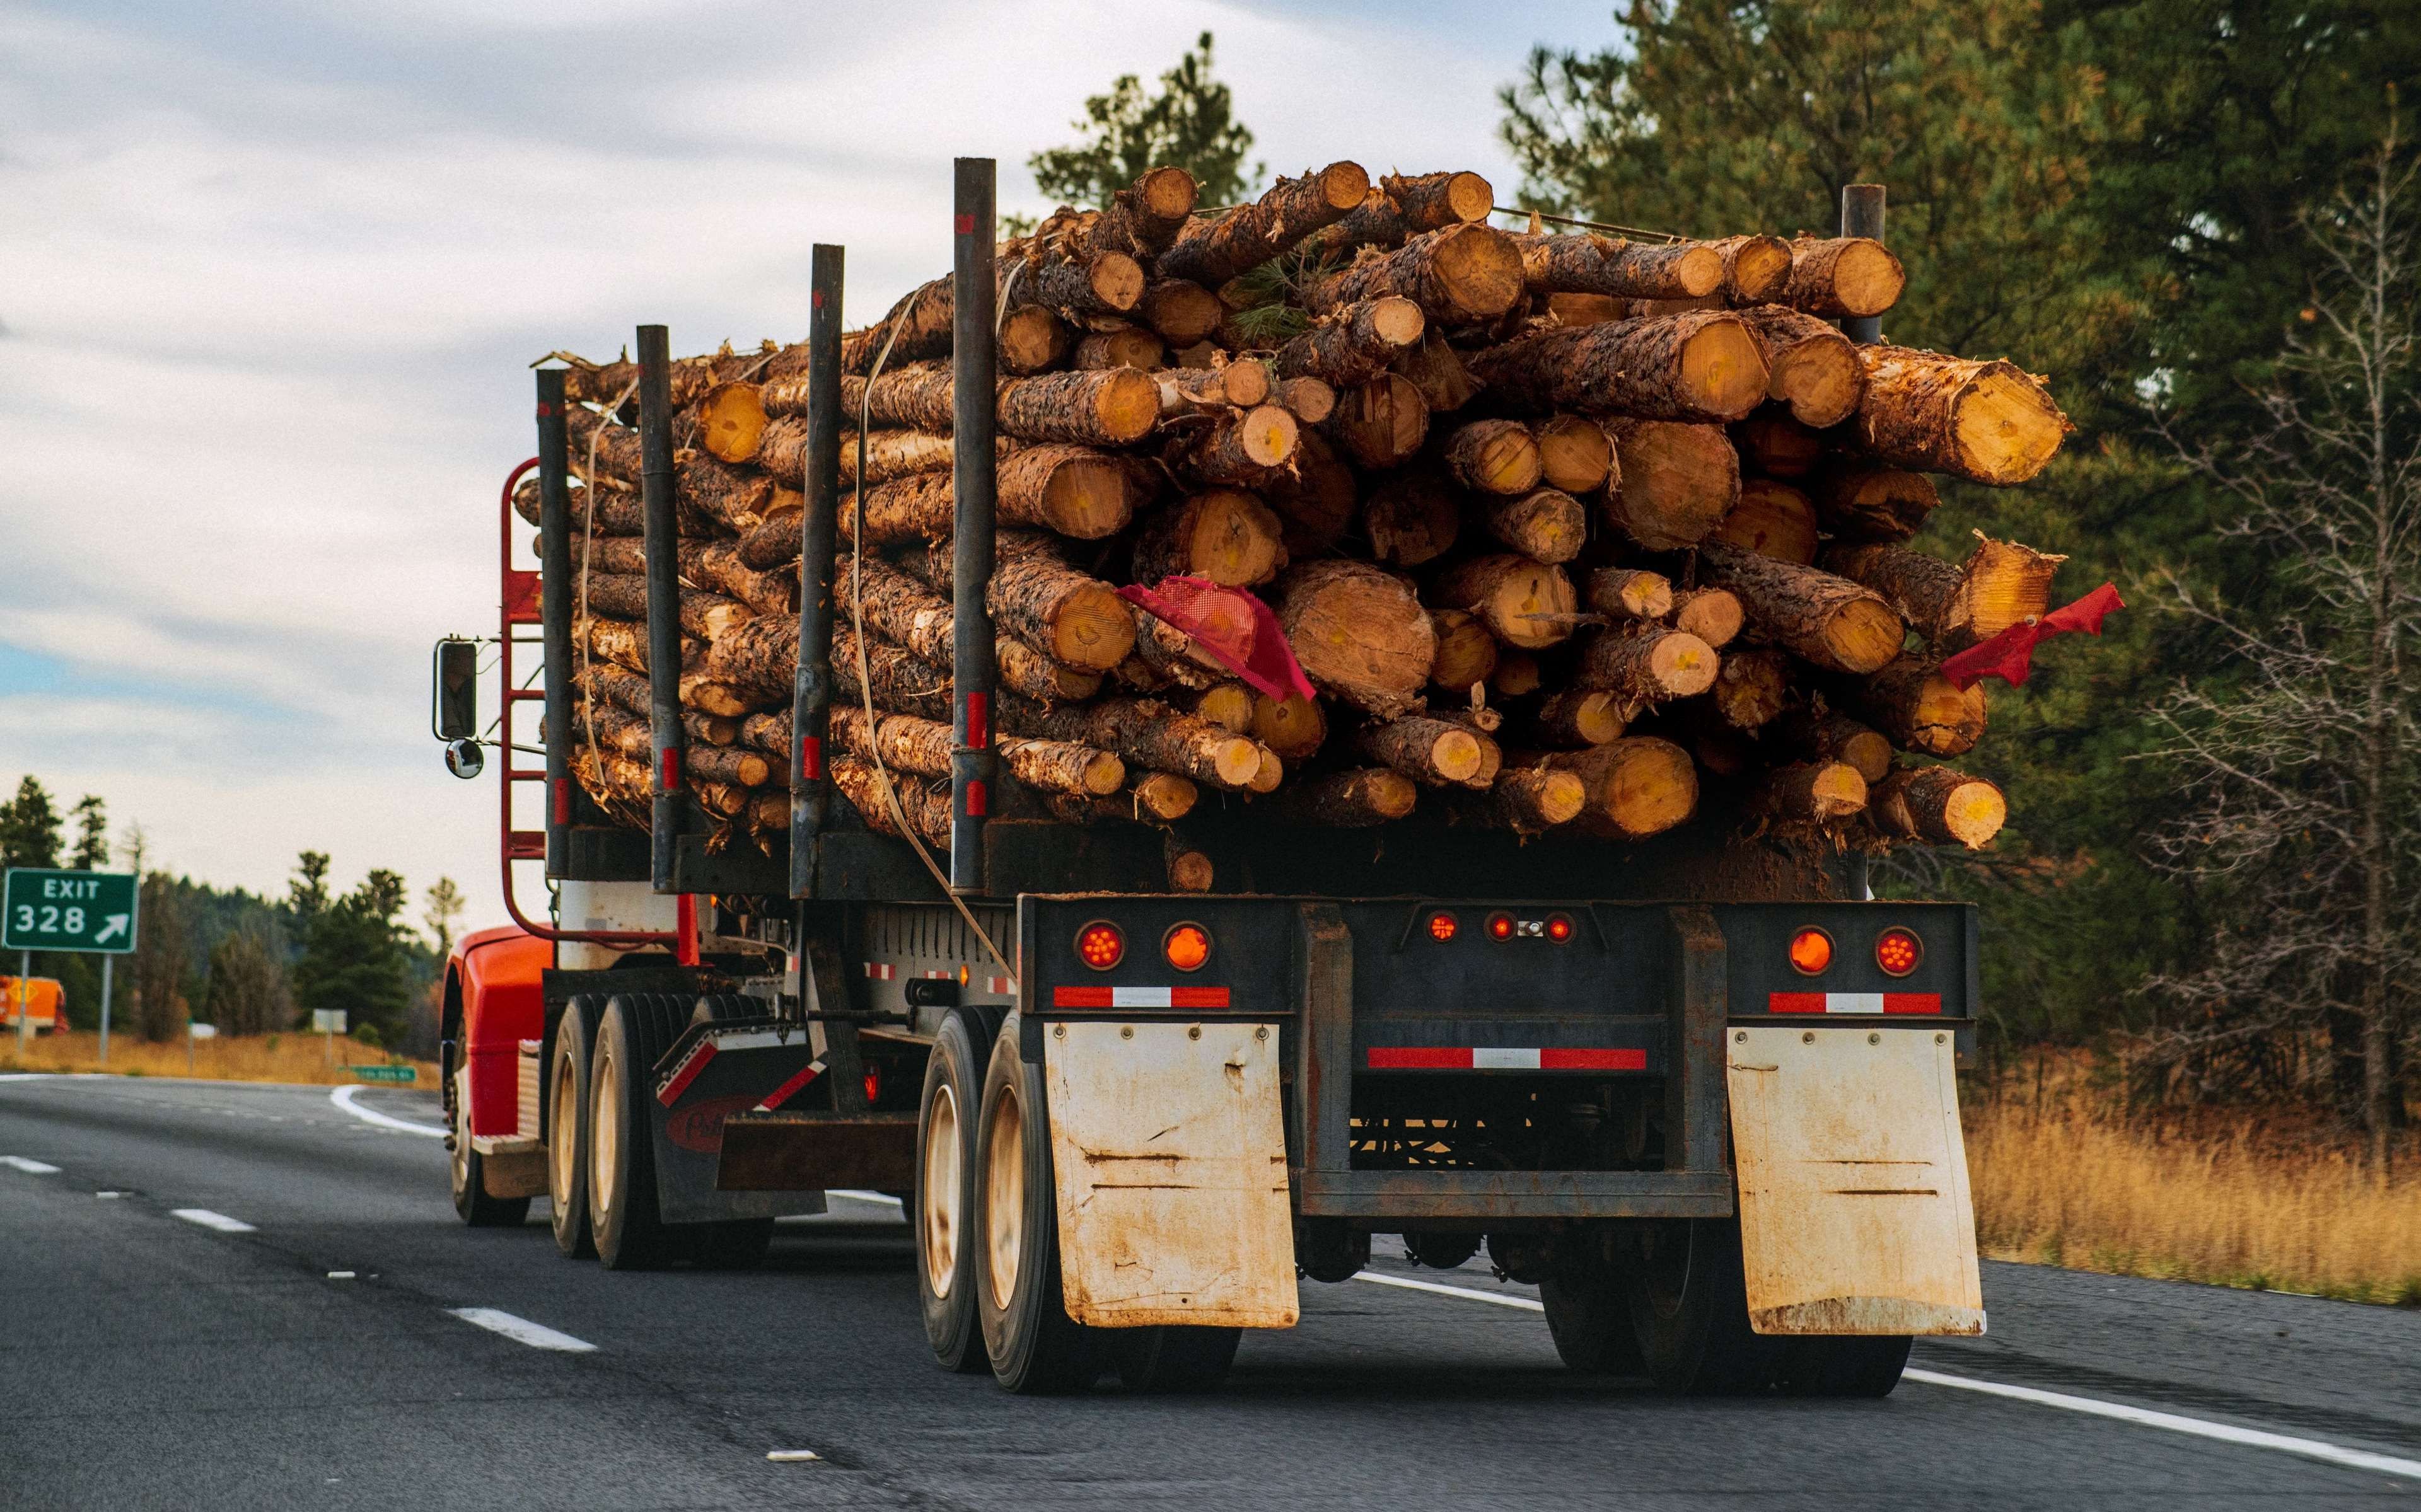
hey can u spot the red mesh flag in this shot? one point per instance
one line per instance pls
(2009, 656)
(1238, 629)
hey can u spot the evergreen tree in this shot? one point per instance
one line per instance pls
(29, 827)
(92, 834)
(306, 895)
(354, 958)
(248, 992)
(440, 907)
(1190, 124)
(162, 961)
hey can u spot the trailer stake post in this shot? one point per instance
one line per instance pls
(662, 545)
(555, 611)
(811, 694)
(972, 385)
(1862, 214)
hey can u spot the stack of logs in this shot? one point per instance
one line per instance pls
(1568, 532)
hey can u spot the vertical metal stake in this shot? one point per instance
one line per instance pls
(1862, 214)
(972, 383)
(555, 595)
(24, 999)
(106, 962)
(662, 546)
(811, 694)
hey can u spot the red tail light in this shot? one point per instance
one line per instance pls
(874, 1084)
(1442, 926)
(1811, 951)
(1101, 945)
(1897, 951)
(1500, 926)
(1559, 928)
(1187, 946)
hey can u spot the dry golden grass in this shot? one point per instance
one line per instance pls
(2059, 1180)
(289, 1057)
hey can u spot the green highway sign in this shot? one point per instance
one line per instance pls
(88, 911)
(385, 1073)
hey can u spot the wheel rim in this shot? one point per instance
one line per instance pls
(606, 1131)
(459, 1163)
(1004, 1197)
(941, 1188)
(562, 1154)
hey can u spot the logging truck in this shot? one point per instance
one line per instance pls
(1134, 1090)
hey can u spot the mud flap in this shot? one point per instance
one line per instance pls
(1168, 1151)
(1855, 1215)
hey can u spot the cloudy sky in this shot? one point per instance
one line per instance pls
(271, 274)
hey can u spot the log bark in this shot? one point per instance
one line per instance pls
(1146, 733)
(1308, 399)
(1433, 751)
(1460, 275)
(1988, 422)
(1140, 220)
(1809, 792)
(704, 615)
(1292, 727)
(1071, 489)
(1176, 662)
(733, 498)
(1315, 505)
(726, 764)
(1645, 664)
(1916, 708)
(1211, 390)
(607, 508)
(1812, 366)
(1524, 603)
(1400, 208)
(621, 554)
(1757, 269)
(1586, 262)
(1861, 502)
(1574, 454)
(1493, 457)
(1212, 249)
(716, 566)
(1412, 516)
(1227, 704)
(1818, 734)
(1701, 366)
(1712, 615)
(1773, 444)
(1638, 785)
(921, 319)
(776, 542)
(1751, 688)
(1928, 592)
(889, 454)
(1586, 309)
(1677, 482)
(1182, 311)
(1355, 344)
(1076, 287)
(1224, 534)
(870, 792)
(1381, 423)
(1075, 620)
(1629, 593)
(1843, 276)
(1938, 806)
(601, 450)
(1771, 519)
(1546, 526)
(712, 696)
(894, 679)
(1437, 371)
(1576, 717)
(905, 612)
(759, 658)
(1516, 675)
(1111, 408)
(1820, 618)
(1127, 346)
(1349, 800)
(1358, 632)
(1236, 448)
(1526, 800)
(687, 378)
(1466, 652)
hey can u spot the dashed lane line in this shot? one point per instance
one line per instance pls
(18, 1163)
(522, 1330)
(343, 1098)
(2321, 1449)
(210, 1220)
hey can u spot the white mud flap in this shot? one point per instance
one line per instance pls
(1168, 1149)
(1855, 1216)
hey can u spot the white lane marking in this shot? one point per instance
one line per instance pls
(25, 1076)
(18, 1163)
(2120, 1411)
(210, 1220)
(2177, 1422)
(866, 1196)
(343, 1098)
(340, 1275)
(1499, 1298)
(520, 1330)
(791, 1456)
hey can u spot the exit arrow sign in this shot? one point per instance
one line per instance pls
(79, 910)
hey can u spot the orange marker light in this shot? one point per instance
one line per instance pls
(1559, 928)
(1897, 951)
(1442, 926)
(1187, 946)
(874, 1084)
(1500, 926)
(1811, 951)
(1101, 945)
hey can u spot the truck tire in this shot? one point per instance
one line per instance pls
(1862, 1365)
(1588, 1309)
(636, 1029)
(1171, 1360)
(471, 1199)
(943, 1205)
(567, 1129)
(1689, 1305)
(1034, 1345)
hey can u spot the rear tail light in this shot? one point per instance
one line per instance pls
(1187, 946)
(1559, 928)
(1897, 951)
(874, 1084)
(1500, 926)
(1100, 946)
(1811, 951)
(1442, 926)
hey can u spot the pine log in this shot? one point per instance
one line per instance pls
(1466, 652)
(1818, 734)
(1182, 311)
(1813, 368)
(934, 566)
(1146, 733)
(1576, 717)
(1111, 408)
(1308, 399)
(1629, 593)
(1526, 800)
(889, 454)
(1712, 615)
(1493, 457)
(1224, 534)
(1381, 423)
(1916, 708)
(1176, 661)
(776, 542)
(721, 799)
(1701, 366)
(1315, 505)
(600, 450)
(1227, 704)
(1238, 447)
(905, 612)
(710, 695)
(1938, 806)
(1820, 618)
(1574, 453)
(1349, 800)
(733, 498)
(1546, 526)
(1772, 519)
(1271, 773)
(1751, 688)
(726, 764)
(1432, 750)
(1075, 620)
(893, 678)
(1677, 482)
(1078, 286)
(2006, 585)
(1861, 501)
(1585, 262)
(1757, 269)
(1292, 727)
(760, 658)
(1033, 339)
(1125, 345)
(1843, 276)
(1809, 792)
(1354, 344)
(1988, 422)
(1140, 220)
(618, 641)
(918, 326)
(605, 508)
(1400, 208)
(872, 794)
(1158, 795)
(1645, 664)
(732, 421)
(1586, 309)
(1358, 632)
(1773, 444)
(1071, 489)
(1212, 249)
(1638, 785)
(1459, 275)
(716, 564)
(1412, 516)
(1437, 371)
(687, 378)
(1211, 390)
(621, 554)
(704, 615)
(1189, 871)
(1517, 673)
(1523, 602)
(1928, 592)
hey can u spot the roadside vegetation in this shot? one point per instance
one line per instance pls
(301, 1057)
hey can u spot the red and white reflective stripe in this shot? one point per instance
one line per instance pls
(1139, 997)
(939, 976)
(1854, 1003)
(1004, 985)
(1503, 1058)
(881, 971)
(686, 1073)
(782, 1094)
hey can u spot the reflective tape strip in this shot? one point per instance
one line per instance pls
(1004, 985)
(881, 970)
(1503, 1058)
(753, 1039)
(1139, 997)
(782, 1094)
(1854, 1003)
(939, 976)
(686, 1073)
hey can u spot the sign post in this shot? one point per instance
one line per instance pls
(89, 912)
(330, 1023)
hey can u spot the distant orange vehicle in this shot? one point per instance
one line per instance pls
(45, 1004)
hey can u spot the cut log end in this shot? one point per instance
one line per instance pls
(1868, 279)
(1712, 615)
(1092, 629)
(1723, 368)
(1524, 603)
(2008, 426)
(1863, 635)
(1574, 453)
(732, 421)
(1127, 405)
(1478, 269)
(1189, 871)
(1292, 727)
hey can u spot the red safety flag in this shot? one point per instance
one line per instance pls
(2009, 656)
(1236, 628)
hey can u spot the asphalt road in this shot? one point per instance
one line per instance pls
(150, 1360)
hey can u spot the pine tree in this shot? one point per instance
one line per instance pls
(92, 834)
(29, 827)
(163, 961)
(441, 907)
(307, 894)
(1190, 124)
(249, 993)
(354, 959)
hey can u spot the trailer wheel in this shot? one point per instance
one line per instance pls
(1689, 1303)
(1171, 1359)
(1588, 1310)
(943, 1207)
(1865, 1365)
(567, 1129)
(471, 1198)
(1034, 1345)
(630, 1232)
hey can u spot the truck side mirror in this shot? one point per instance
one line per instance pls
(454, 690)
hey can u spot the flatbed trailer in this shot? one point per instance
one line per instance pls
(1699, 1088)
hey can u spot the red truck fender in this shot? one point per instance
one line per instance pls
(492, 1003)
